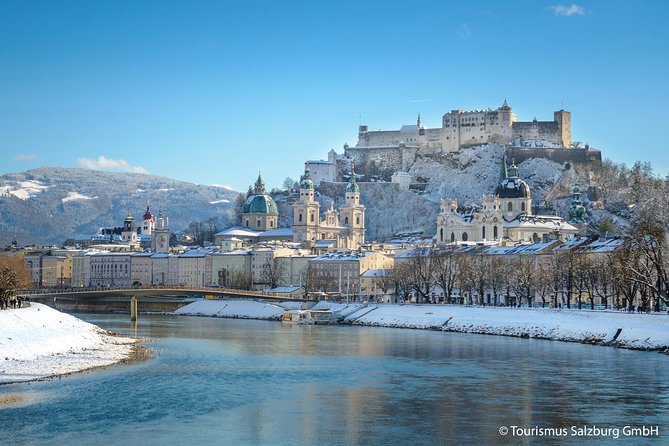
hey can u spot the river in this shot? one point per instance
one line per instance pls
(238, 382)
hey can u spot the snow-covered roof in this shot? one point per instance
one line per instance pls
(545, 222)
(277, 232)
(342, 256)
(377, 273)
(238, 232)
(324, 243)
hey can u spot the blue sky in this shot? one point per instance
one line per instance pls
(213, 92)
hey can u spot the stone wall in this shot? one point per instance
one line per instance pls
(559, 155)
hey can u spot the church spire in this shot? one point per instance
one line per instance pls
(418, 122)
(260, 185)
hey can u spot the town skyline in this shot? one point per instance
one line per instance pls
(116, 88)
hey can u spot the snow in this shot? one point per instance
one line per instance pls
(24, 189)
(219, 201)
(38, 342)
(72, 196)
(243, 309)
(638, 331)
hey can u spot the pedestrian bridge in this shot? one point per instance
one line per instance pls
(173, 292)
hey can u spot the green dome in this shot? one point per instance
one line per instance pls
(353, 187)
(306, 182)
(260, 204)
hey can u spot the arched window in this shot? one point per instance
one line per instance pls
(465, 237)
(522, 206)
(298, 219)
(483, 232)
(452, 237)
(357, 220)
(258, 223)
(312, 218)
(494, 232)
(441, 234)
(271, 223)
(535, 238)
(345, 220)
(246, 222)
(510, 206)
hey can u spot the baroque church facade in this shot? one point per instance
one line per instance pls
(505, 215)
(346, 226)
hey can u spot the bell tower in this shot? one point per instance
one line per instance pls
(352, 214)
(160, 237)
(306, 212)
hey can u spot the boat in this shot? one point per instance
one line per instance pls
(323, 317)
(301, 317)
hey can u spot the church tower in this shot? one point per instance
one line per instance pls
(514, 193)
(148, 222)
(160, 237)
(306, 212)
(129, 233)
(352, 214)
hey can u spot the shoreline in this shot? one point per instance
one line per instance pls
(40, 343)
(609, 329)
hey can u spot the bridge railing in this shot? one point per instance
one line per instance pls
(175, 288)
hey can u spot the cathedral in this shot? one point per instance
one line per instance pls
(346, 227)
(505, 215)
(260, 212)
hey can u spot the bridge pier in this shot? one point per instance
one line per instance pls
(133, 309)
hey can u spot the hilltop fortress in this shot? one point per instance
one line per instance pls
(462, 128)
(383, 154)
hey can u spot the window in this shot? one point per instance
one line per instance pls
(441, 234)
(494, 232)
(465, 237)
(345, 220)
(483, 232)
(510, 207)
(452, 237)
(299, 218)
(357, 220)
(312, 218)
(522, 207)
(271, 223)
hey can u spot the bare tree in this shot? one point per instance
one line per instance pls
(444, 261)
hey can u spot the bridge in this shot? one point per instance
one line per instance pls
(151, 299)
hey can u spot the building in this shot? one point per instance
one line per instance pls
(461, 128)
(340, 273)
(507, 214)
(160, 234)
(112, 269)
(346, 226)
(260, 212)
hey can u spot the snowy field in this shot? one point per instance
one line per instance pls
(39, 342)
(637, 331)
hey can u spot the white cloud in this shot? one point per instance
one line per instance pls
(224, 186)
(104, 163)
(568, 11)
(464, 31)
(26, 157)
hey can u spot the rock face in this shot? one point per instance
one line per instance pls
(50, 205)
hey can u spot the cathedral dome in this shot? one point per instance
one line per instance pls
(260, 204)
(353, 187)
(513, 188)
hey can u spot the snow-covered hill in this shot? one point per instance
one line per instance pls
(50, 205)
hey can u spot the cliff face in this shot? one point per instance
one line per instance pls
(50, 205)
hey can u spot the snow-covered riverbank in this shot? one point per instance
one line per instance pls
(39, 342)
(636, 331)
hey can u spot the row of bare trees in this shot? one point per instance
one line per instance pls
(635, 273)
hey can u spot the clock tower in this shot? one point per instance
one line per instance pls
(160, 236)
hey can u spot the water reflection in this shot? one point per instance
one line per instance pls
(255, 382)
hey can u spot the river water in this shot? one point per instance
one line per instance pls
(237, 382)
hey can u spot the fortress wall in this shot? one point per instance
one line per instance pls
(396, 158)
(546, 130)
(559, 155)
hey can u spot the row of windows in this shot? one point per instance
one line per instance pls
(465, 236)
